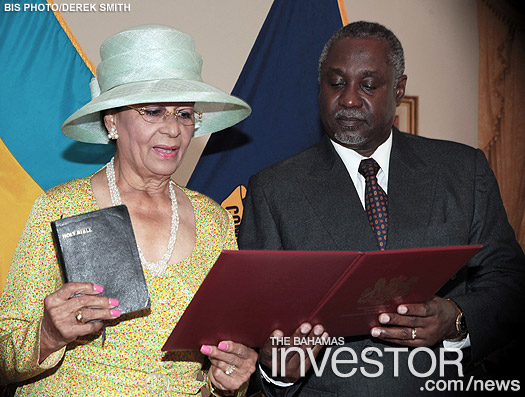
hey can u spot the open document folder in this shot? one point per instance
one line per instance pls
(248, 294)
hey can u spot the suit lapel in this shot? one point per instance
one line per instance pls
(332, 195)
(411, 190)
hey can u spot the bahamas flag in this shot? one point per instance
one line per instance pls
(279, 81)
(44, 78)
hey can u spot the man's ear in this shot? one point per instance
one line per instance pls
(400, 89)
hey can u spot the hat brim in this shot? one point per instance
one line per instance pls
(219, 109)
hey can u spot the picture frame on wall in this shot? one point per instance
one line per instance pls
(407, 115)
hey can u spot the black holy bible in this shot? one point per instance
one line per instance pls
(100, 247)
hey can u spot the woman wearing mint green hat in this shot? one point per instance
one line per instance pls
(149, 99)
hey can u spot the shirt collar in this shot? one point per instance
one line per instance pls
(352, 159)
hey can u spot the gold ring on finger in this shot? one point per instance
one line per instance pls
(79, 317)
(230, 369)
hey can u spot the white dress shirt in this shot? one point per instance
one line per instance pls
(352, 159)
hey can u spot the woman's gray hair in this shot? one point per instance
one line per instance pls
(366, 30)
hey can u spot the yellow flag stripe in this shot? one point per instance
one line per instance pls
(18, 191)
(342, 11)
(73, 40)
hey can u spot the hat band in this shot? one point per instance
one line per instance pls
(157, 64)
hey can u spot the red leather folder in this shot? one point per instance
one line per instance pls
(248, 294)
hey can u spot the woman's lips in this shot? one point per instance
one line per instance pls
(166, 152)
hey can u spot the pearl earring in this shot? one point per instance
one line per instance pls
(112, 134)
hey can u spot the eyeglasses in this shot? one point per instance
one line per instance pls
(159, 113)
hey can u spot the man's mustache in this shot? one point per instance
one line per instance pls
(350, 114)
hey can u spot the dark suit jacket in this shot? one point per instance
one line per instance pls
(439, 193)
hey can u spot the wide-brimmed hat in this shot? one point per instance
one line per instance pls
(151, 64)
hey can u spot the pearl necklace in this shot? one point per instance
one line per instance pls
(156, 269)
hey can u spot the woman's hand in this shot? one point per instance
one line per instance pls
(231, 364)
(67, 316)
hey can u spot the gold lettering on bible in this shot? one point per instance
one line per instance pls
(77, 232)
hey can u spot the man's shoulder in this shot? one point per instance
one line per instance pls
(290, 166)
(437, 153)
(434, 147)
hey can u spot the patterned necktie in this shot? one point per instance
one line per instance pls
(376, 201)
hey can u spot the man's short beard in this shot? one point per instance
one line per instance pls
(348, 137)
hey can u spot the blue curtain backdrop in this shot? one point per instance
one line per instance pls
(279, 81)
(44, 80)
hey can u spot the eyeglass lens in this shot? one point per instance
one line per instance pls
(157, 114)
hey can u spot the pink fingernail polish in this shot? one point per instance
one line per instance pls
(223, 346)
(113, 302)
(115, 313)
(205, 349)
(98, 288)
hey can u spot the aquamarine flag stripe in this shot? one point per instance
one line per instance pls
(44, 80)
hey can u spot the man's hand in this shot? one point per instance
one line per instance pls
(292, 370)
(422, 324)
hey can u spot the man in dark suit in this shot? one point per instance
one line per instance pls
(415, 192)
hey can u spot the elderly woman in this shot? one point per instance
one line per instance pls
(150, 100)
